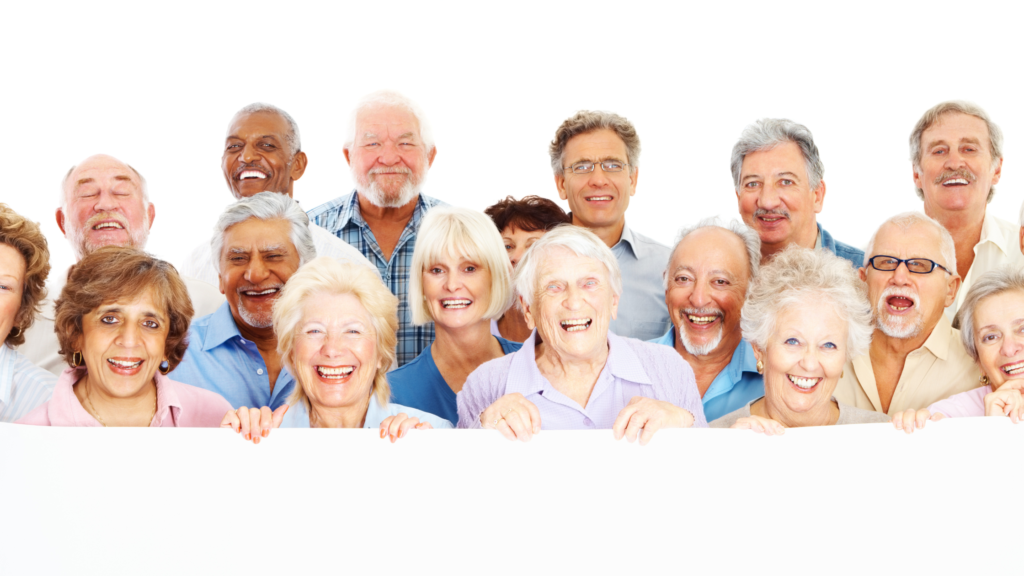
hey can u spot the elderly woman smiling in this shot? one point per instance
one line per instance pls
(121, 321)
(572, 373)
(805, 316)
(336, 327)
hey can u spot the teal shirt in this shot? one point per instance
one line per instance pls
(735, 386)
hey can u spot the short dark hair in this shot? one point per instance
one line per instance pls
(530, 214)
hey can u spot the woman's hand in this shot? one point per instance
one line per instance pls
(911, 419)
(396, 426)
(645, 416)
(1007, 401)
(760, 424)
(254, 423)
(514, 416)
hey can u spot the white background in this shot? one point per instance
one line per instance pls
(156, 84)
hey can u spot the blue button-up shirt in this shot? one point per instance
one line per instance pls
(855, 256)
(735, 386)
(221, 360)
(642, 313)
(342, 218)
(23, 385)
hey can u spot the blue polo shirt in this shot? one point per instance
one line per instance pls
(734, 387)
(219, 359)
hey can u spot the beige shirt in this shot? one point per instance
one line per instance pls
(931, 373)
(999, 245)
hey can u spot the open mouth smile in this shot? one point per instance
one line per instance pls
(250, 174)
(125, 366)
(456, 303)
(108, 225)
(1013, 369)
(899, 304)
(268, 292)
(576, 325)
(802, 383)
(334, 372)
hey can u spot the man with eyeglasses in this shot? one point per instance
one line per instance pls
(916, 356)
(595, 158)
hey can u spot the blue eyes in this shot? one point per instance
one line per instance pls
(829, 345)
(826, 345)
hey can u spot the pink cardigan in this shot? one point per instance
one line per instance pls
(177, 405)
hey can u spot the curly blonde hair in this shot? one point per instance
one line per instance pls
(25, 236)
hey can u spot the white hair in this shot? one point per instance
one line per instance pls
(266, 206)
(142, 186)
(907, 219)
(768, 133)
(577, 240)
(748, 235)
(390, 98)
(293, 138)
(991, 283)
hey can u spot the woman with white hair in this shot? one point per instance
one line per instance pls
(572, 373)
(460, 279)
(805, 316)
(336, 326)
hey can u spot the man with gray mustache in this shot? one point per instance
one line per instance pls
(916, 356)
(777, 172)
(957, 159)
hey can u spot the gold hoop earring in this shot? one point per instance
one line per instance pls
(983, 380)
(77, 360)
(15, 332)
(164, 368)
(760, 367)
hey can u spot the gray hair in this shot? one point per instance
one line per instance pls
(797, 276)
(907, 219)
(266, 206)
(995, 135)
(766, 134)
(577, 240)
(294, 139)
(750, 239)
(390, 98)
(142, 186)
(991, 283)
(586, 121)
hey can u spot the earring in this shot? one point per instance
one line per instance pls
(983, 380)
(760, 367)
(77, 360)
(164, 368)
(15, 332)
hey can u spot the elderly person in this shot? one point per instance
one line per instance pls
(573, 372)
(957, 159)
(389, 147)
(521, 223)
(805, 315)
(596, 160)
(336, 327)
(706, 283)
(24, 264)
(461, 281)
(122, 319)
(777, 173)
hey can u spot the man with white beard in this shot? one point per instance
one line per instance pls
(706, 283)
(389, 147)
(916, 356)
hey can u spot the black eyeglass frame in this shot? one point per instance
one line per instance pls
(907, 262)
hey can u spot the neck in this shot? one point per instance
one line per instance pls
(264, 338)
(885, 346)
(513, 326)
(353, 416)
(958, 222)
(137, 410)
(707, 367)
(371, 211)
(572, 368)
(803, 238)
(610, 234)
(467, 345)
(825, 414)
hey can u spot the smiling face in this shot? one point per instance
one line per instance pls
(803, 359)
(707, 282)
(122, 344)
(956, 171)
(257, 259)
(906, 305)
(104, 207)
(388, 158)
(999, 337)
(257, 156)
(517, 241)
(572, 305)
(457, 291)
(776, 199)
(335, 351)
(598, 199)
(12, 285)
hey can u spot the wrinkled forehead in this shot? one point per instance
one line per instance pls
(918, 240)
(782, 157)
(559, 263)
(107, 173)
(259, 124)
(256, 235)
(712, 248)
(387, 122)
(956, 126)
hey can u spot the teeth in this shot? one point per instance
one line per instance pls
(332, 372)
(104, 225)
(124, 364)
(576, 325)
(263, 293)
(1014, 369)
(599, 198)
(252, 174)
(458, 304)
(954, 182)
(701, 319)
(804, 383)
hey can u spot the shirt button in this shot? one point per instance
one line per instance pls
(259, 370)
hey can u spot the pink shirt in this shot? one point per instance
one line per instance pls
(970, 403)
(177, 405)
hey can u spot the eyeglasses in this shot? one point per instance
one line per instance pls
(588, 167)
(914, 265)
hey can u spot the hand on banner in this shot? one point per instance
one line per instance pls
(396, 426)
(911, 419)
(514, 416)
(1006, 401)
(645, 416)
(760, 424)
(254, 423)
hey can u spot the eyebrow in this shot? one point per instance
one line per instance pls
(722, 271)
(117, 309)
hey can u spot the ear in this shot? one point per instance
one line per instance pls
(633, 178)
(347, 159)
(298, 166)
(1022, 239)
(527, 314)
(615, 306)
(220, 281)
(430, 156)
(863, 273)
(560, 184)
(953, 285)
(151, 213)
(917, 179)
(758, 353)
(60, 222)
(819, 197)
(997, 172)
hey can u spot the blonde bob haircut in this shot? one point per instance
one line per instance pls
(327, 276)
(460, 233)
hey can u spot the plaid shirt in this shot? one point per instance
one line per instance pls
(342, 218)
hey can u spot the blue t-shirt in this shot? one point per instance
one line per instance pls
(419, 384)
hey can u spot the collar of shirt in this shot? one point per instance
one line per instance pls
(637, 248)
(992, 232)
(298, 415)
(64, 409)
(743, 360)
(939, 340)
(220, 328)
(350, 212)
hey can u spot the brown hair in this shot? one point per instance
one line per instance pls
(25, 237)
(530, 214)
(114, 273)
(586, 121)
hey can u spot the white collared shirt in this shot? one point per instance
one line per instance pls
(999, 245)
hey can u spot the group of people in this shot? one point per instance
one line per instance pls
(388, 309)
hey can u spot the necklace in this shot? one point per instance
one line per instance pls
(95, 413)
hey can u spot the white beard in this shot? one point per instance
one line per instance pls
(896, 327)
(371, 190)
(80, 244)
(700, 350)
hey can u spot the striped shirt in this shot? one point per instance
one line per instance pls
(342, 218)
(23, 385)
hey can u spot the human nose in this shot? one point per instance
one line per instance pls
(105, 201)
(128, 336)
(257, 271)
(768, 198)
(573, 298)
(333, 345)
(901, 275)
(516, 256)
(249, 154)
(1011, 346)
(700, 296)
(954, 159)
(389, 154)
(453, 281)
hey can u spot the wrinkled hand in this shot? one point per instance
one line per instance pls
(512, 415)
(1007, 401)
(396, 426)
(760, 424)
(254, 423)
(911, 419)
(645, 416)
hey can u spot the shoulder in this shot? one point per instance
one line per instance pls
(333, 205)
(435, 421)
(412, 367)
(656, 354)
(430, 202)
(508, 346)
(27, 372)
(852, 415)
(40, 416)
(498, 366)
(729, 419)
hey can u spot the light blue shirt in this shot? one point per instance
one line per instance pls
(298, 417)
(23, 385)
(642, 312)
(219, 359)
(736, 385)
